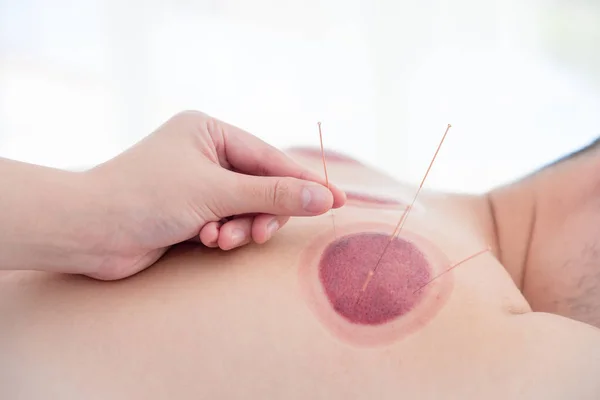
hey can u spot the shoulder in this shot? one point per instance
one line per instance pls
(548, 229)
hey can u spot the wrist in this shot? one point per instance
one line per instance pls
(90, 221)
(52, 220)
(76, 220)
(99, 227)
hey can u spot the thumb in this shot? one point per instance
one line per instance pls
(277, 196)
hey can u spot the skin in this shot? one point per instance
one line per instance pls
(177, 184)
(549, 229)
(201, 323)
(427, 302)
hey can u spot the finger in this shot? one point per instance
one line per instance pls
(209, 234)
(235, 233)
(265, 226)
(250, 155)
(273, 195)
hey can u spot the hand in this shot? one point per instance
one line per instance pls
(180, 182)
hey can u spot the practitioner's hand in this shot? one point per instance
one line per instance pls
(180, 182)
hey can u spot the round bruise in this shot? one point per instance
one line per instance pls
(408, 289)
(394, 289)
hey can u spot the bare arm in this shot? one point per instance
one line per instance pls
(176, 184)
(549, 232)
(49, 218)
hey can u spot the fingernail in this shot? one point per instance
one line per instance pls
(272, 227)
(237, 237)
(315, 198)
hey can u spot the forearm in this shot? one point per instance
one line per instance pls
(51, 219)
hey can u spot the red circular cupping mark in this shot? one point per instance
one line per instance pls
(392, 292)
(402, 297)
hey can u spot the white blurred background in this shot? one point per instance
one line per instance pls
(519, 80)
